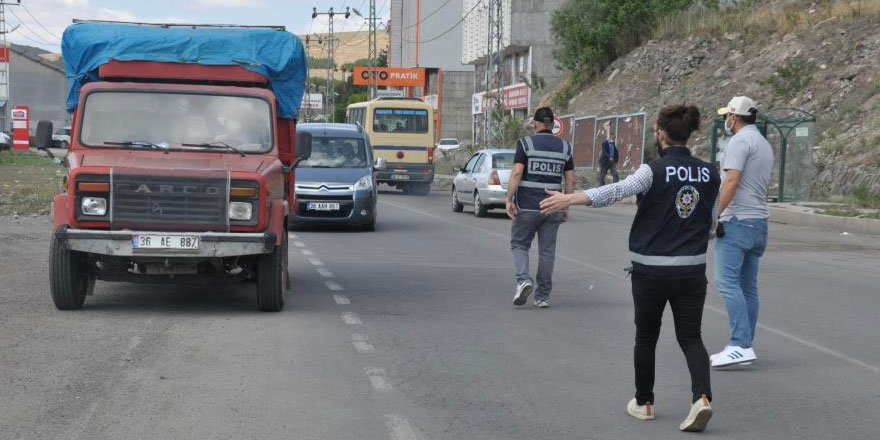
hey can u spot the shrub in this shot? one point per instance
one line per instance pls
(791, 78)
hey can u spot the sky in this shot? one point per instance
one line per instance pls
(42, 22)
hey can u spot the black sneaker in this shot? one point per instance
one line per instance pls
(523, 290)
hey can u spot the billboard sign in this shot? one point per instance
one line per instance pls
(389, 76)
(312, 101)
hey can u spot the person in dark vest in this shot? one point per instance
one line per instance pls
(677, 196)
(541, 162)
(608, 160)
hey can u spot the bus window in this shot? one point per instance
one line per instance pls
(399, 120)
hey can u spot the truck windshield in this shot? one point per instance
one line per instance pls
(336, 152)
(400, 120)
(175, 119)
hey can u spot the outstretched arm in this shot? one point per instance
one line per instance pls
(637, 183)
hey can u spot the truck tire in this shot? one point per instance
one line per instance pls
(272, 278)
(70, 280)
(480, 209)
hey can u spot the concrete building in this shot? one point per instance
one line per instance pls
(528, 54)
(427, 33)
(36, 80)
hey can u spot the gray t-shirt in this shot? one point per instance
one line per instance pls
(751, 154)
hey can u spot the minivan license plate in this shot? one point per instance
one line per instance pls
(156, 241)
(317, 206)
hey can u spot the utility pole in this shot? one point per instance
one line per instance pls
(373, 54)
(4, 62)
(495, 72)
(331, 100)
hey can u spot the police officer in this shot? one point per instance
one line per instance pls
(541, 163)
(676, 206)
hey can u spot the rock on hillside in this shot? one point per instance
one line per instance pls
(836, 59)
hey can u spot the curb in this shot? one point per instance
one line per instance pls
(826, 222)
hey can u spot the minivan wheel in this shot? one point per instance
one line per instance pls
(457, 206)
(480, 209)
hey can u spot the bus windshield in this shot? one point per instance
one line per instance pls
(400, 120)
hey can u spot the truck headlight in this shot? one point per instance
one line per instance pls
(366, 182)
(96, 206)
(243, 211)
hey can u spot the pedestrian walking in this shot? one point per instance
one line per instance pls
(747, 165)
(541, 162)
(668, 242)
(608, 160)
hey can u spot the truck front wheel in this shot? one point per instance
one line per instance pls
(70, 277)
(272, 278)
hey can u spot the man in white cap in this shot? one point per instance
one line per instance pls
(742, 233)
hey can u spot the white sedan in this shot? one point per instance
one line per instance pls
(483, 181)
(448, 144)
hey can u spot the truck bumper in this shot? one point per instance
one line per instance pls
(211, 244)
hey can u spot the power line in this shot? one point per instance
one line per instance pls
(422, 20)
(463, 18)
(24, 25)
(53, 35)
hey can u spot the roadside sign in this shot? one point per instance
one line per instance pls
(389, 76)
(390, 93)
(21, 135)
(312, 101)
(558, 127)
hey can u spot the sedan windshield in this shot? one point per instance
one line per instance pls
(174, 119)
(336, 152)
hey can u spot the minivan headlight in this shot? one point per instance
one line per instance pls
(96, 206)
(366, 182)
(242, 211)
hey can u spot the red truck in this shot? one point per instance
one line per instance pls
(181, 158)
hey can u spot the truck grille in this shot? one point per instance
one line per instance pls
(178, 202)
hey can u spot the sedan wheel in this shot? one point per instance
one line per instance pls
(457, 206)
(480, 209)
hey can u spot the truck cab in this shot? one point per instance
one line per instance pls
(178, 172)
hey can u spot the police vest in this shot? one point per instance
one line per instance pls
(670, 233)
(545, 167)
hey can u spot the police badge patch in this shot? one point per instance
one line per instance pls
(686, 201)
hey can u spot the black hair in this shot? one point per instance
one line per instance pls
(751, 118)
(679, 121)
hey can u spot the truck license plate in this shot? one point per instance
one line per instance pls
(320, 206)
(155, 241)
(399, 177)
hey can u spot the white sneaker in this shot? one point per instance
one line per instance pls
(733, 355)
(698, 417)
(523, 290)
(541, 303)
(641, 412)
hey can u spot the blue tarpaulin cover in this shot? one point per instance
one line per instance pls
(275, 54)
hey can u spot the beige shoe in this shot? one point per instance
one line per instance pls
(699, 416)
(641, 412)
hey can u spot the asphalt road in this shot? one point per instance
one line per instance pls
(409, 333)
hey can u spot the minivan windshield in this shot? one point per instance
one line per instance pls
(125, 118)
(336, 152)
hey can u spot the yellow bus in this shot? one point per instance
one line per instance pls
(401, 131)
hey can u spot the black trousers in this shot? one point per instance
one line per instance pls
(604, 168)
(686, 296)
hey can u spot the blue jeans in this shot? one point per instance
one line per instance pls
(736, 275)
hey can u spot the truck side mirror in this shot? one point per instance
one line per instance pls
(303, 146)
(43, 135)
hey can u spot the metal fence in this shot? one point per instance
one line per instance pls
(587, 133)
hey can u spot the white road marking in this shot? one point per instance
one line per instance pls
(293, 236)
(351, 318)
(378, 379)
(299, 244)
(334, 286)
(307, 252)
(359, 337)
(363, 347)
(325, 272)
(316, 262)
(342, 300)
(804, 342)
(399, 428)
